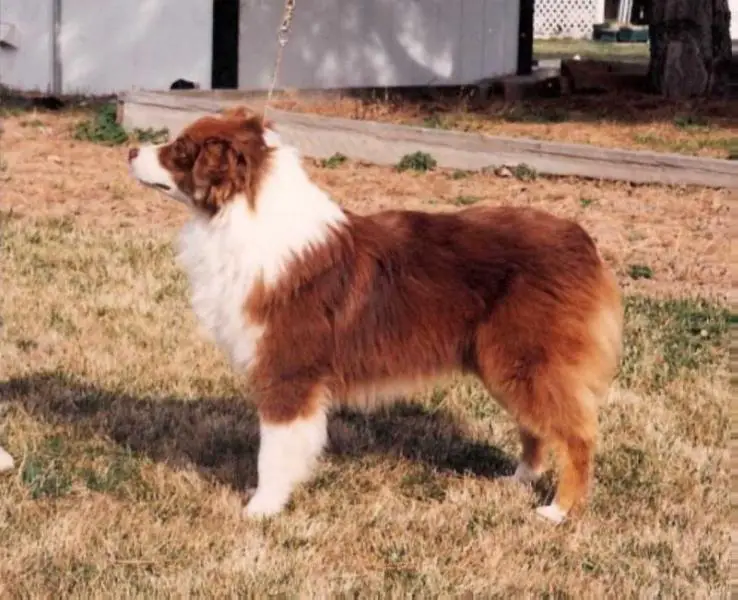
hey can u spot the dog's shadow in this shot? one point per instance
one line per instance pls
(220, 436)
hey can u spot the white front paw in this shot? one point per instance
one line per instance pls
(552, 513)
(264, 504)
(6, 461)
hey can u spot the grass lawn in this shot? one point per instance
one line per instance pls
(562, 48)
(134, 443)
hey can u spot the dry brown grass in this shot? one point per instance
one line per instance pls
(616, 121)
(134, 444)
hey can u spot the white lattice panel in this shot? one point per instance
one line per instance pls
(565, 18)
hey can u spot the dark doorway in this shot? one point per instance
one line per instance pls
(525, 37)
(225, 44)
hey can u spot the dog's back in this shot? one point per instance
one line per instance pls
(519, 297)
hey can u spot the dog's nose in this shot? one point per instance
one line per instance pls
(132, 153)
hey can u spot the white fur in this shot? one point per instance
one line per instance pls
(226, 254)
(215, 257)
(6, 461)
(553, 512)
(287, 456)
(149, 171)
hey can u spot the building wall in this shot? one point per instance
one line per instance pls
(365, 43)
(29, 66)
(733, 6)
(110, 46)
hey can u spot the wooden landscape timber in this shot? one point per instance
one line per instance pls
(383, 143)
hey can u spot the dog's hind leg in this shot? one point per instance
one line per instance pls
(573, 434)
(530, 467)
(552, 409)
(575, 454)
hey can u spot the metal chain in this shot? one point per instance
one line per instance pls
(282, 36)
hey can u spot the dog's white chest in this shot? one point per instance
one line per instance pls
(221, 276)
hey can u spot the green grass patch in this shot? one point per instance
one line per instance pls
(336, 160)
(103, 128)
(665, 339)
(465, 200)
(691, 122)
(585, 202)
(417, 161)
(524, 172)
(567, 48)
(640, 272)
(701, 139)
(45, 472)
(117, 475)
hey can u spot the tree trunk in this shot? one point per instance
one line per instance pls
(690, 47)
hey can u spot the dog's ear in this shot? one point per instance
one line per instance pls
(217, 174)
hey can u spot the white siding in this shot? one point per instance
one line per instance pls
(109, 46)
(29, 66)
(733, 6)
(121, 44)
(356, 43)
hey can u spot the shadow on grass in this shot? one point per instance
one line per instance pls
(220, 436)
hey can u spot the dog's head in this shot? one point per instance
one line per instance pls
(210, 162)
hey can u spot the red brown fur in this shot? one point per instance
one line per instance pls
(214, 160)
(517, 297)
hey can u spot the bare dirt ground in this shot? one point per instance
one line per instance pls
(134, 444)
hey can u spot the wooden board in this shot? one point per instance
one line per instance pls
(384, 143)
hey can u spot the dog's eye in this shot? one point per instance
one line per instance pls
(181, 152)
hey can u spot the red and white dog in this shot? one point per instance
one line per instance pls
(319, 306)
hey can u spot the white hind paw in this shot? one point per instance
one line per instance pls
(552, 513)
(525, 474)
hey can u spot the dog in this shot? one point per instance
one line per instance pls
(320, 307)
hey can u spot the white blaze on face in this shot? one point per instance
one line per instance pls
(147, 168)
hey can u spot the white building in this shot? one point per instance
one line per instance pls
(109, 46)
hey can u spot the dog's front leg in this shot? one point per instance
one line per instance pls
(288, 451)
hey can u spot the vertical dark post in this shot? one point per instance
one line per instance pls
(56, 61)
(226, 22)
(525, 37)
